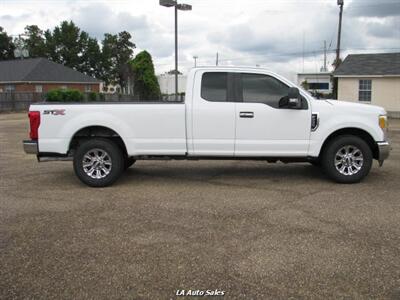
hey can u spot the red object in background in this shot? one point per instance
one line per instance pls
(34, 120)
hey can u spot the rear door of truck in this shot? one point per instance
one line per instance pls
(213, 114)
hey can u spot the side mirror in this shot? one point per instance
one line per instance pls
(294, 98)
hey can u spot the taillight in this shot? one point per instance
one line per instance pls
(34, 121)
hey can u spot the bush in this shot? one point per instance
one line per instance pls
(54, 96)
(61, 95)
(92, 96)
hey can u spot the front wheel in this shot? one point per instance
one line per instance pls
(347, 159)
(98, 162)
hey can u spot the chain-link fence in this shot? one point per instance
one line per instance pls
(20, 101)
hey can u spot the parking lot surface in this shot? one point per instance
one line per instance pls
(251, 229)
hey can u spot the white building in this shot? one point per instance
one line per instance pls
(167, 83)
(371, 78)
(319, 82)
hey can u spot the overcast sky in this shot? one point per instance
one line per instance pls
(270, 33)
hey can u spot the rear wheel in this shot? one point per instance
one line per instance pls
(98, 162)
(347, 159)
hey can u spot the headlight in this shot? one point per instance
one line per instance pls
(383, 123)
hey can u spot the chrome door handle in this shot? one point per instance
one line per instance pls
(246, 114)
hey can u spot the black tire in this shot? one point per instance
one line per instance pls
(128, 162)
(330, 155)
(114, 155)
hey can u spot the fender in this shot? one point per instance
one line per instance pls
(70, 128)
(319, 137)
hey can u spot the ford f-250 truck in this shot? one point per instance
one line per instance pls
(229, 113)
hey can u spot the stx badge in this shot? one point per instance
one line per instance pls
(55, 112)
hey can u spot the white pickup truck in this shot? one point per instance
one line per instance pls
(229, 113)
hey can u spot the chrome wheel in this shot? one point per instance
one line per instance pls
(96, 163)
(349, 160)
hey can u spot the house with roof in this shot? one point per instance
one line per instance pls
(371, 78)
(41, 75)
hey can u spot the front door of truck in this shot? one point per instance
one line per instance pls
(262, 127)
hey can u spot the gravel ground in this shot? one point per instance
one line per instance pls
(251, 229)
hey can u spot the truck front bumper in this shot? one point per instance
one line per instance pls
(384, 150)
(30, 146)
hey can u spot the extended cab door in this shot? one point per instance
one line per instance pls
(213, 114)
(262, 127)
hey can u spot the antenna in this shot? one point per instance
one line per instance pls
(325, 68)
(216, 60)
(20, 51)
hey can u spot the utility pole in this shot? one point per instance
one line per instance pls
(176, 53)
(337, 62)
(325, 67)
(216, 60)
(176, 6)
(195, 60)
(303, 49)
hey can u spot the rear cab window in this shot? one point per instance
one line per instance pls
(214, 86)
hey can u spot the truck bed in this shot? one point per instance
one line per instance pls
(145, 127)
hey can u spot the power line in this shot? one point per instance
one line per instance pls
(210, 59)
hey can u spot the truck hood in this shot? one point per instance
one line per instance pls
(356, 107)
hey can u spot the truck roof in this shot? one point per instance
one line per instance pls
(237, 69)
(232, 67)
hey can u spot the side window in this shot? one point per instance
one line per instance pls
(214, 86)
(258, 88)
(318, 86)
(38, 88)
(364, 90)
(9, 88)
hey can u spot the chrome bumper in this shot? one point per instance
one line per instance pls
(30, 147)
(384, 150)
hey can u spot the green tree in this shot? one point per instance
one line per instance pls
(50, 46)
(92, 58)
(117, 51)
(7, 46)
(146, 86)
(34, 41)
(65, 45)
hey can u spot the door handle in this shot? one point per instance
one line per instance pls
(246, 114)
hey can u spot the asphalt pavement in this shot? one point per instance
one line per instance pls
(251, 230)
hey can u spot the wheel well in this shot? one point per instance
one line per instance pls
(356, 132)
(96, 131)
